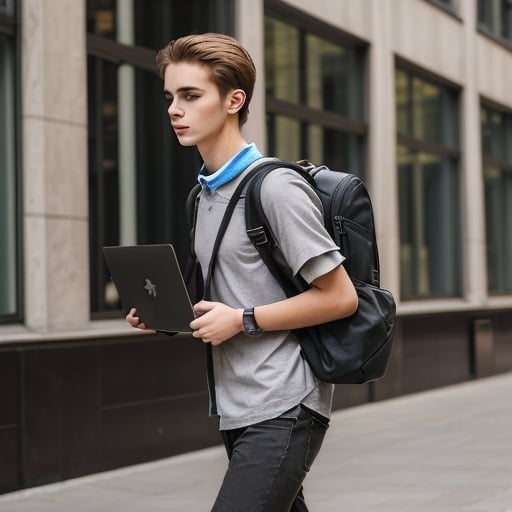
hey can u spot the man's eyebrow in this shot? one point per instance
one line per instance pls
(187, 88)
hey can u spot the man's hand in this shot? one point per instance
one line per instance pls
(216, 322)
(134, 321)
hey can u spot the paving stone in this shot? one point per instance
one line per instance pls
(447, 450)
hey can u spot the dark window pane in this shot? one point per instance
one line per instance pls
(328, 77)
(343, 151)
(8, 203)
(403, 95)
(318, 84)
(7, 7)
(497, 155)
(139, 175)
(445, 4)
(426, 111)
(494, 134)
(498, 202)
(159, 21)
(426, 101)
(427, 117)
(429, 225)
(495, 17)
(101, 19)
(284, 135)
(292, 140)
(282, 77)
(103, 175)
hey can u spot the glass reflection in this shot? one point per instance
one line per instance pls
(327, 80)
(429, 240)
(282, 76)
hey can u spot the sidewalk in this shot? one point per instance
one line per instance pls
(448, 450)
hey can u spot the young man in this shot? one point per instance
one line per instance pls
(273, 411)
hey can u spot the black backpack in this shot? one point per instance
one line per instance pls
(354, 349)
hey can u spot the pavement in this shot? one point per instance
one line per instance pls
(447, 450)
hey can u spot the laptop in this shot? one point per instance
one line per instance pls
(148, 278)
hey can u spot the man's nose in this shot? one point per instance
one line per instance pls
(174, 110)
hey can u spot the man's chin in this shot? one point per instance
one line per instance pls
(186, 142)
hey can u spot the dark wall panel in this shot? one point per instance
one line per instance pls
(92, 406)
(502, 328)
(154, 399)
(10, 463)
(62, 412)
(152, 367)
(9, 387)
(155, 430)
(42, 419)
(9, 421)
(9, 459)
(349, 395)
(435, 352)
(76, 407)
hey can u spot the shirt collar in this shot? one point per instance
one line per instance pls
(230, 170)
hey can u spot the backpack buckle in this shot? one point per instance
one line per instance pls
(258, 235)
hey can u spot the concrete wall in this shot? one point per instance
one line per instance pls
(54, 126)
(448, 46)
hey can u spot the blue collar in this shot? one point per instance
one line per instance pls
(230, 170)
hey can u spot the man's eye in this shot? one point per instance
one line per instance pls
(190, 97)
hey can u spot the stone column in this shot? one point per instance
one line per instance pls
(249, 27)
(473, 203)
(382, 143)
(55, 196)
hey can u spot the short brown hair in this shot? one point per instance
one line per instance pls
(230, 64)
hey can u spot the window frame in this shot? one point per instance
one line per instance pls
(301, 112)
(504, 166)
(115, 53)
(431, 78)
(106, 50)
(450, 154)
(490, 32)
(9, 27)
(452, 7)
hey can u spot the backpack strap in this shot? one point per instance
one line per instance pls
(260, 234)
(193, 276)
(211, 268)
(191, 207)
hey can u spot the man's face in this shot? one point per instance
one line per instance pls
(196, 110)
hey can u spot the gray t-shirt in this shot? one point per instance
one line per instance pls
(260, 378)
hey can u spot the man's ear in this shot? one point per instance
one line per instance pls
(236, 101)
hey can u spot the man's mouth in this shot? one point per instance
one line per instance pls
(179, 129)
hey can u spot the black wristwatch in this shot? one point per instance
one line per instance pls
(251, 328)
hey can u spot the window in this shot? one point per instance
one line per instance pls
(449, 5)
(9, 218)
(495, 19)
(314, 91)
(139, 175)
(427, 156)
(7, 9)
(497, 169)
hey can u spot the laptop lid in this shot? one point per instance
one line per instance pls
(148, 278)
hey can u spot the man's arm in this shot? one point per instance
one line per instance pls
(331, 296)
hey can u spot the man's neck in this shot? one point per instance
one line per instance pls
(217, 152)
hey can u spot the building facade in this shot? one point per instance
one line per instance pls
(412, 95)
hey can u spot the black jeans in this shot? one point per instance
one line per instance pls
(269, 461)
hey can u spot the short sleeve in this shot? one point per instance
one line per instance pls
(295, 216)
